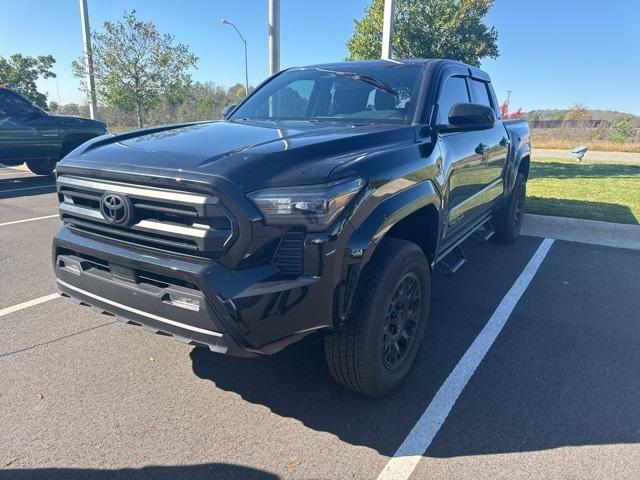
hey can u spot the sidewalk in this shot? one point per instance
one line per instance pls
(591, 155)
(583, 231)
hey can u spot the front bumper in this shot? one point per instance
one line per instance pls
(236, 312)
(218, 341)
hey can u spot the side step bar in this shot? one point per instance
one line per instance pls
(485, 232)
(453, 257)
(452, 262)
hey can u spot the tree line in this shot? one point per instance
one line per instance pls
(202, 101)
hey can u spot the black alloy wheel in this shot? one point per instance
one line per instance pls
(401, 322)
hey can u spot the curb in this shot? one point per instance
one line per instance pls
(584, 231)
(592, 155)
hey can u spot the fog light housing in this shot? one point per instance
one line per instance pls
(182, 301)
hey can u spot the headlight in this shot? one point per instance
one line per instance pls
(314, 206)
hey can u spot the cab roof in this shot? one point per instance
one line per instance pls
(439, 62)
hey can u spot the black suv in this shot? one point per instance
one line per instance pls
(322, 203)
(29, 134)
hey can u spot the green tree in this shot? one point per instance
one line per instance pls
(237, 93)
(70, 109)
(209, 99)
(600, 132)
(136, 68)
(624, 130)
(428, 29)
(21, 73)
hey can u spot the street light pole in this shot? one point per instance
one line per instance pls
(88, 58)
(246, 68)
(274, 36)
(387, 28)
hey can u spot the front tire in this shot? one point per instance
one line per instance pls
(42, 167)
(507, 220)
(374, 352)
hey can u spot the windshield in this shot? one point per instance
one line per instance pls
(12, 104)
(369, 93)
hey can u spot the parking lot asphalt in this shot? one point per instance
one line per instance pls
(85, 396)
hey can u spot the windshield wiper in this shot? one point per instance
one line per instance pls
(374, 82)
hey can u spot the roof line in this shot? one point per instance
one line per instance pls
(392, 61)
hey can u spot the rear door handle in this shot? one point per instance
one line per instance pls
(482, 149)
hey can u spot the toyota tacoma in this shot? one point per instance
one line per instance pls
(321, 203)
(29, 134)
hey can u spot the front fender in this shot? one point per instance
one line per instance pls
(369, 232)
(387, 213)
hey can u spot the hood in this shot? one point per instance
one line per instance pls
(251, 155)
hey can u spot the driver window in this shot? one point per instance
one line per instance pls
(454, 91)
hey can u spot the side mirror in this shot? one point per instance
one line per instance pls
(226, 111)
(467, 117)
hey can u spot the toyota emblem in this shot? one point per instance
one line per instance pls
(116, 208)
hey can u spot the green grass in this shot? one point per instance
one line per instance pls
(604, 191)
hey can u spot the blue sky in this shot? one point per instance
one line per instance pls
(553, 53)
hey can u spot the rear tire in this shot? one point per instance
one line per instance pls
(375, 350)
(507, 220)
(42, 167)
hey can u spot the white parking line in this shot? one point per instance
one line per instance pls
(30, 303)
(28, 220)
(408, 455)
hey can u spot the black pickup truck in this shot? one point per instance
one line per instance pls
(29, 134)
(322, 203)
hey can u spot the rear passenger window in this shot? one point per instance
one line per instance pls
(480, 93)
(454, 91)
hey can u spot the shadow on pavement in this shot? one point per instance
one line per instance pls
(206, 471)
(583, 170)
(564, 372)
(560, 207)
(13, 187)
(296, 383)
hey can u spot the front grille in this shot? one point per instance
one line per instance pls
(161, 219)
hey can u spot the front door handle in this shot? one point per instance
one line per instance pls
(482, 149)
